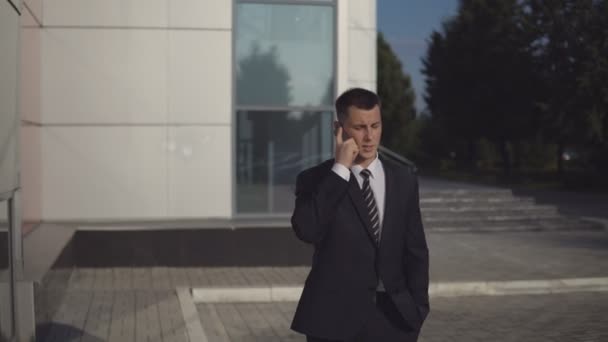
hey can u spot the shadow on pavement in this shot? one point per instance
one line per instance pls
(62, 332)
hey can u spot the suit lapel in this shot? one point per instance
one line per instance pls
(389, 200)
(356, 195)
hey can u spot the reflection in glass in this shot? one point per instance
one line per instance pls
(272, 148)
(284, 55)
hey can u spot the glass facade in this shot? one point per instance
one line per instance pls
(272, 147)
(284, 59)
(284, 55)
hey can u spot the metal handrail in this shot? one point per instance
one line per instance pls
(386, 152)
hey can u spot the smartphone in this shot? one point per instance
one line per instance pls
(345, 135)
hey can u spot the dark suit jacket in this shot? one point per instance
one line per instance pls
(339, 291)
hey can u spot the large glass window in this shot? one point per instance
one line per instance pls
(284, 61)
(272, 147)
(284, 55)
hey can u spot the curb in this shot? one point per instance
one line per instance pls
(190, 315)
(441, 289)
(599, 220)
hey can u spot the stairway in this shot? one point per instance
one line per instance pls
(481, 209)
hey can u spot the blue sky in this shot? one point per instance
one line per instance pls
(407, 24)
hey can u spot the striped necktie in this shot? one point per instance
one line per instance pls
(370, 203)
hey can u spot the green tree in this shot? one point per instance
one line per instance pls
(561, 46)
(398, 110)
(593, 84)
(478, 75)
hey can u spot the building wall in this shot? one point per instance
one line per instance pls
(9, 61)
(29, 108)
(128, 113)
(357, 34)
(9, 40)
(362, 35)
(135, 109)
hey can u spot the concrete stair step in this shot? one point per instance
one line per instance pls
(438, 200)
(467, 192)
(548, 224)
(493, 215)
(487, 209)
(498, 216)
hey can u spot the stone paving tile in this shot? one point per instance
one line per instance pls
(82, 279)
(235, 325)
(246, 322)
(122, 278)
(560, 317)
(99, 317)
(279, 322)
(141, 278)
(518, 256)
(258, 325)
(573, 317)
(171, 321)
(122, 316)
(212, 323)
(147, 324)
(68, 323)
(160, 278)
(122, 326)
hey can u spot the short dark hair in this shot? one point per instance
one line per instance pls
(357, 97)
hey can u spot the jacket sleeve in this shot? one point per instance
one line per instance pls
(316, 204)
(417, 255)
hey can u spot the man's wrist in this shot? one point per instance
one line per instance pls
(342, 171)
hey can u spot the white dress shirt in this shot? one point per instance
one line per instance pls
(376, 181)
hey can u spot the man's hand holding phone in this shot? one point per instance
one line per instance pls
(346, 150)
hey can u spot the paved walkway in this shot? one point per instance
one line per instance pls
(141, 304)
(573, 317)
(455, 257)
(117, 315)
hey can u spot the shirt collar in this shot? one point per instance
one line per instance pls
(373, 167)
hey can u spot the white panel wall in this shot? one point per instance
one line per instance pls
(9, 47)
(342, 48)
(136, 109)
(104, 172)
(199, 154)
(104, 76)
(200, 64)
(29, 106)
(32, 8)
(214, 14)
(30, 163)
(362, 35)
(30, 74)
(113, 13)
(211, 14)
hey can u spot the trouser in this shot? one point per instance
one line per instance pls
(385, 324)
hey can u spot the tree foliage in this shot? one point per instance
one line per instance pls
(395, 90)
(511, 71)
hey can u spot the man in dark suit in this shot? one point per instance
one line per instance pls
(370, 269)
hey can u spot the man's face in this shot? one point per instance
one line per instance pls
(365, 127)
